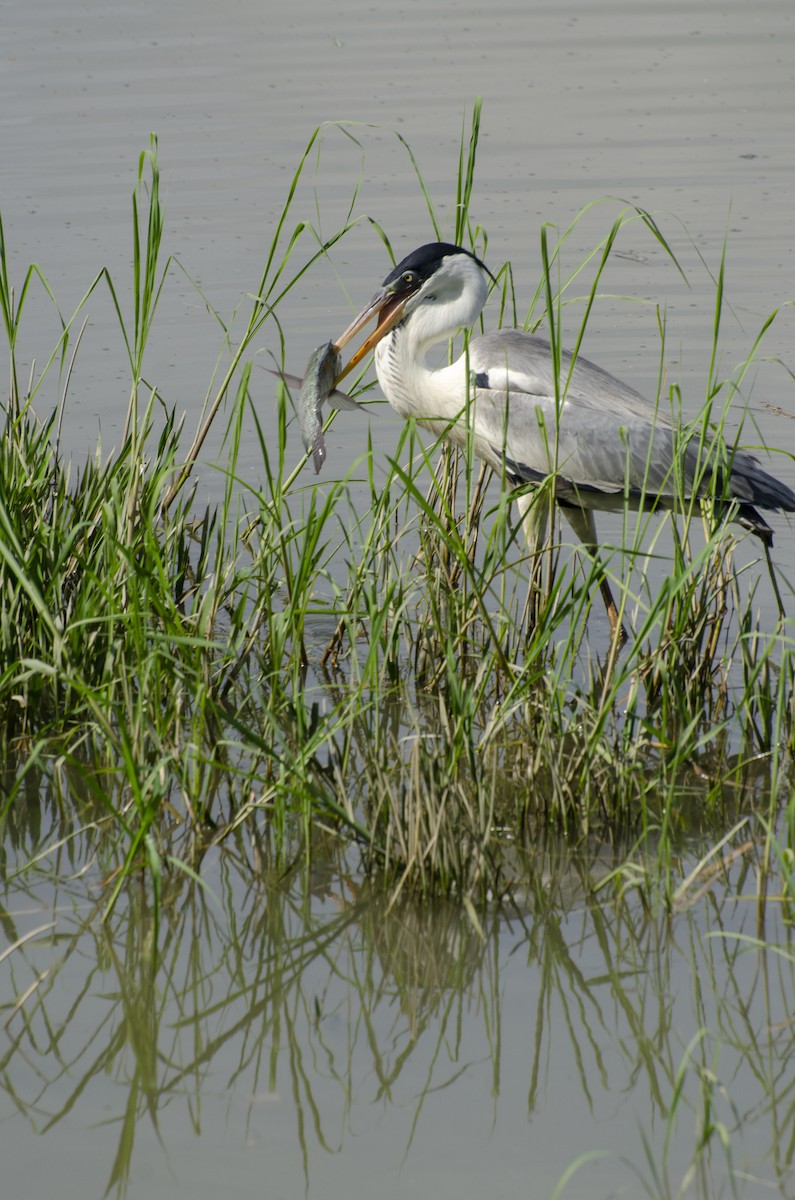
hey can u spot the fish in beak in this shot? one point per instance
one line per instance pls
(388, 305)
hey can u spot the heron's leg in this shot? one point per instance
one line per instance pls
(583, 523)
(534, 513)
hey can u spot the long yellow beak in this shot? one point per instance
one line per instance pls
(388, 307)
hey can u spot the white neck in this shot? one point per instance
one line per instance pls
(449, 301)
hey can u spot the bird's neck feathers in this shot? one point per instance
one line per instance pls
(412, 387)
(451, 300)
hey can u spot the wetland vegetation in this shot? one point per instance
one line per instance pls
(370, 699)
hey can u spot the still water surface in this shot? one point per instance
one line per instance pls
(304, 1037)
(299, 1038)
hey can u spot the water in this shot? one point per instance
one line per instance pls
(684, 110)
(301, 1039)
(304, 1037)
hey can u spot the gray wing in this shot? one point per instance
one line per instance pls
(601, 438)
(525, 362)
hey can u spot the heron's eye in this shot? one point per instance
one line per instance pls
(409, 277)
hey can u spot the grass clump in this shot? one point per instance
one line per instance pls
(161, 663)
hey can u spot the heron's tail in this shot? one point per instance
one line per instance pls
(750, 483)
(751, 487)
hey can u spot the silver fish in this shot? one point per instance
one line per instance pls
(317, 388)
(321, 371)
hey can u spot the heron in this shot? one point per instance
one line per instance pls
(600, 443)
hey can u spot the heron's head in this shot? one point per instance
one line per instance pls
(440, 287)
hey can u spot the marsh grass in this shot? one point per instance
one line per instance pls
(160, 662)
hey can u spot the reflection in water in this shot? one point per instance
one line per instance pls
(318, 1024)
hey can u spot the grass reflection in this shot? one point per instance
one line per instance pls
(319, 995)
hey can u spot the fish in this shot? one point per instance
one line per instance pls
(321, 371)
(317, 389)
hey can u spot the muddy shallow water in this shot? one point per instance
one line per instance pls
(303, 1040)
